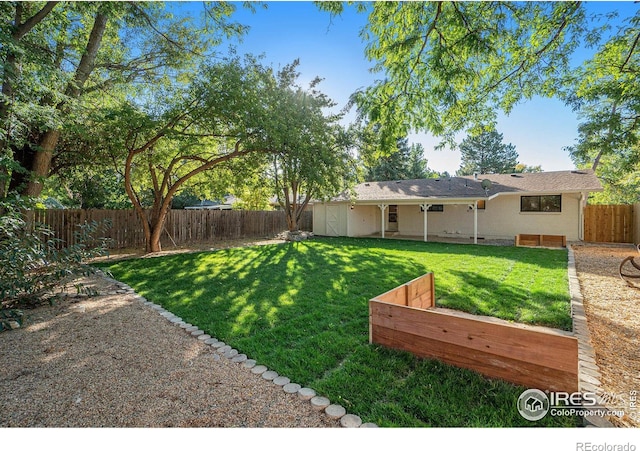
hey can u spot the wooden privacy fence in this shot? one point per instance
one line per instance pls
(537, 357)
(610, 223)
(636, 223)
(183, 227)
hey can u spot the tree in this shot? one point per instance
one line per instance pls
(88, 188)
(448, 66)
(61, 60)
(313, 159)
(221, 117)
(606, 95)
(487, 154)
(406, 163)
(522, 168)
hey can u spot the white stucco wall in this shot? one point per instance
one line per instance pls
(364, 220)
(502, 219)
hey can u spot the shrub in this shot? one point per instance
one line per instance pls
(33, 262)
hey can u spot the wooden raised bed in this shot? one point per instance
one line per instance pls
(541, 240)
(537, 357)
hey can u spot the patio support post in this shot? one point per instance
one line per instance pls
(382, 208)
(583, 204)
(475, 222)
(425, 208)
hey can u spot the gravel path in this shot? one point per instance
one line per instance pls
(110, 361)
(613, 316)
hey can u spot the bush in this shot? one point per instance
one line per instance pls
(33, 262)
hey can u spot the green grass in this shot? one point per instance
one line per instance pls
(302, 310)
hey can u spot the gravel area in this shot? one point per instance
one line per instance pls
(111, 361)
(613, 315)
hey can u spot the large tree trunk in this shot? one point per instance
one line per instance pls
(11, 70)
(292, 223)
(153, 244)
(42, 160)
(42, 163)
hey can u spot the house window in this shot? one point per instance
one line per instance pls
(482, 204)
(547, 204)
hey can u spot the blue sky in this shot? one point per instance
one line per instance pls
(332, 49)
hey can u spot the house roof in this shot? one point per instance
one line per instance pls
(467, 187)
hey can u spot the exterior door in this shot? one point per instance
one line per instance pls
(392, 225)
(332, 220)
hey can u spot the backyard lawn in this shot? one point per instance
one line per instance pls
(302, 310)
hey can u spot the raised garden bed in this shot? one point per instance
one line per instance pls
(541, 240)
(537, 357)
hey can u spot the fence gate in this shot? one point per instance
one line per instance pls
(609, 223)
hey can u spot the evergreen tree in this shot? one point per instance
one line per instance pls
(404, 164)
(487, 154)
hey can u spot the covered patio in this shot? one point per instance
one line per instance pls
(425, 208)
(454, 239)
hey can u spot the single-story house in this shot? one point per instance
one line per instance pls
(486, 206)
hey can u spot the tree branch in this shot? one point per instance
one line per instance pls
(27, 26)
(631, 50)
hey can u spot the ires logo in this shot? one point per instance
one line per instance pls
(535, 404)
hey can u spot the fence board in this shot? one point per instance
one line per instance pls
(609, 223)
(183, 227)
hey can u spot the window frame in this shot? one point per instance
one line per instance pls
(540, 203)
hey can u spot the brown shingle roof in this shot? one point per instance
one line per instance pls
(468, 187)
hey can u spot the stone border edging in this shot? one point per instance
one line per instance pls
(589, 375)
(333, 411)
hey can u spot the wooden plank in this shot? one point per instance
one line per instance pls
(609, 223)
(490, 335)
(553, 240)
(528, 240)
(533, 356)
(635, 223)
(524, 239)
(518, 372)
(421, 292)
(397, 296)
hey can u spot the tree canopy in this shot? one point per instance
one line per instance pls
(62, 60)
(606, 95)
(448, 67)
(221, 116)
